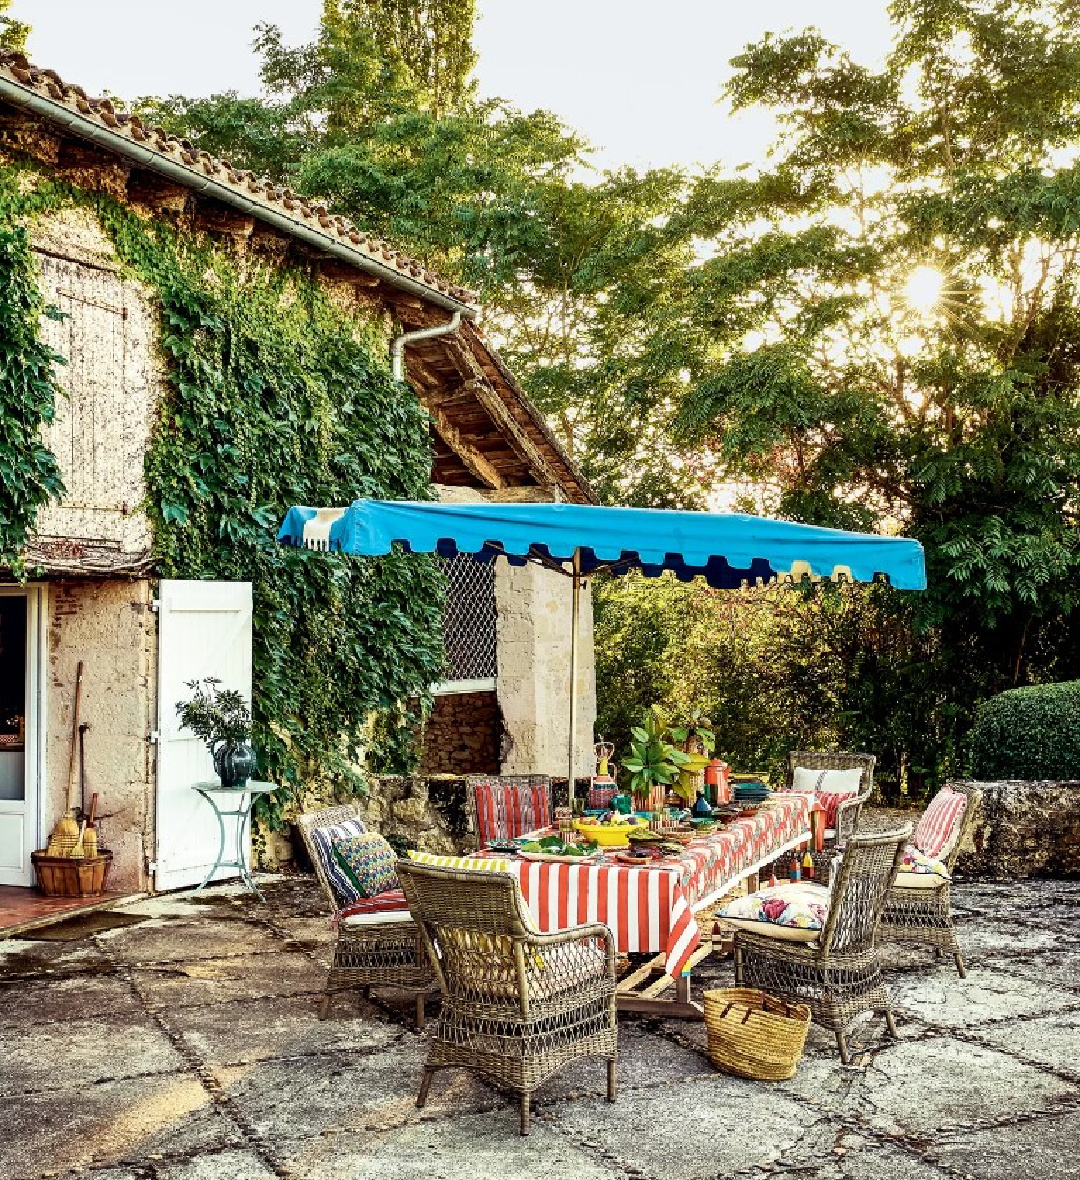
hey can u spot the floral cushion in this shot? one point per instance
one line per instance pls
(796, 912)
(322, 841)
(919, 871)
(939, 828)
(368, 861)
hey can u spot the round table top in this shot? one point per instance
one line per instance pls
(252, 787)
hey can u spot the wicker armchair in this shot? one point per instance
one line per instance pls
(924, 915)
(374, 949)
(517, 1005)
(838, 975)
(847, 812)
(502, 807)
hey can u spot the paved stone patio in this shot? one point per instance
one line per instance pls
(178, 1039)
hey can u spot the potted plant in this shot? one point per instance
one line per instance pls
(652, 761)
(222, 718)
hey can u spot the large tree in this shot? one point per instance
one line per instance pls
(895, 310)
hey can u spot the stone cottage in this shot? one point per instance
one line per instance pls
(93, 594)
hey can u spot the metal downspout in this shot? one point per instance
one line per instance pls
(397, 347)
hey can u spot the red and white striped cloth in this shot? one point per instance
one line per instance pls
(939, 828)
(651, 908)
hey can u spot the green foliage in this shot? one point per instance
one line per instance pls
(1028, 733)
(13, 33)
(29, 474)
(277, 399)
(651, 759)
(217, 716)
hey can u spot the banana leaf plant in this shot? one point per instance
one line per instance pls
(651, 760)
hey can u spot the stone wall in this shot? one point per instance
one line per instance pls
(108, 625)
(1024, 829)
(463, 735)
(534, 614)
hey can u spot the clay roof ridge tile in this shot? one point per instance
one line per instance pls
(133, 127)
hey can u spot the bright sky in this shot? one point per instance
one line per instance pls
(639, 78)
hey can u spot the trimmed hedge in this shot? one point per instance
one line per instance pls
(1028, 733)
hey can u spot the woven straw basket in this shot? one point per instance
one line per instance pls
(754, 1035)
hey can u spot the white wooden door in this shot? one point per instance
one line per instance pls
(204, 629)
(20, 761)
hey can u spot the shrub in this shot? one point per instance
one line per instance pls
(1028, 733)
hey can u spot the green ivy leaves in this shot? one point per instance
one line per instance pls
(29, 474)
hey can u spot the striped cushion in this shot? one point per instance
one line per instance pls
(390, 906)
(504, 811)
(831, 801)
(322, 840)
(939, 828)
(467, 863)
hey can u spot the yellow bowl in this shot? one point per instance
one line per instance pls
(606, 835)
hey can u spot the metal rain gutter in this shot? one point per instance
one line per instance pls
(397, 346)
(55, 112)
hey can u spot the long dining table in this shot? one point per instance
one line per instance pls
(650, 908)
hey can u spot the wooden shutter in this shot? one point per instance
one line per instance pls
(204, 629)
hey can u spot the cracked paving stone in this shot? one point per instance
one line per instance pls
(343, 1091)
(187, 983)
(987, 994)
(221, 1165)
(1044, 1149)
(26, 1003)
(640, 1064)
(115, 1123)
(19, 957)
(80, 1052)
(709, 1127)
(920, 1086)
(483, 1146)
(1050, 1040)
(1060, 967)
(815, 1157)
(233, 1034)
(162, 940)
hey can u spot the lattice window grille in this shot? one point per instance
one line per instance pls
(469, 619)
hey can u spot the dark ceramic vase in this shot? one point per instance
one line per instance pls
(234, 764)
(702, 806)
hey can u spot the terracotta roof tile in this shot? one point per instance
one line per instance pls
(314, 215)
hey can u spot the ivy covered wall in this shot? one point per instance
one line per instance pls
(275, 397)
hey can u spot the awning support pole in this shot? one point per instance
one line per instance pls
(574, 616)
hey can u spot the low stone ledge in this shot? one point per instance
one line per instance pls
(1021, 830)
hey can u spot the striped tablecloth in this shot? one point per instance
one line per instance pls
(651, 908)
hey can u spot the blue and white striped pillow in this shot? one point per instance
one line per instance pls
(322, 840)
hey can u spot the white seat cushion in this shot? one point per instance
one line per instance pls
(919, 881)
(384, 918)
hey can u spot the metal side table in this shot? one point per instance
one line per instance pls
(244, 797)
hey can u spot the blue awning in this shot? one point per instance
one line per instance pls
(726, 548)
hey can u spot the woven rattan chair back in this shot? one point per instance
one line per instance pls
(472, 922)
(512, 798)
(860, 887)
(847, 813)
(389, 953)
(924, 916)
(517, 1005)
(325, 818)
(832, 760)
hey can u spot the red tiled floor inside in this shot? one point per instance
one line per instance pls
(23, 909)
